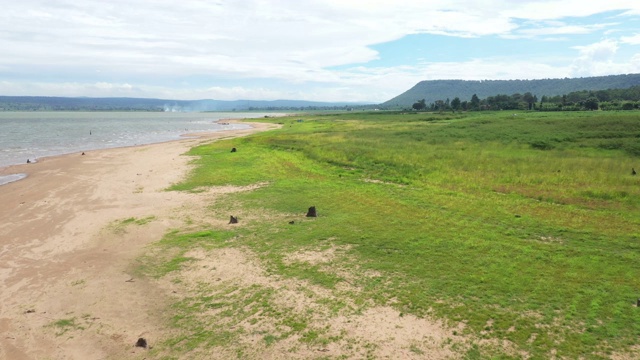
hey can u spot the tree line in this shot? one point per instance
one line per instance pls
(611, 99)
(432, 90)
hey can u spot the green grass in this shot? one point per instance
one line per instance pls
(120, 226)
(63, 326)
(531, 221)
(169, 254)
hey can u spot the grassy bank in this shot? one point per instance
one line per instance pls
(523, 227)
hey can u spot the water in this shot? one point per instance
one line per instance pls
(32, 135)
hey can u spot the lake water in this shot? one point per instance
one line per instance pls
(32, 135)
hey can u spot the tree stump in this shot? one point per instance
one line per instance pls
(312, 212)
(233, 220)
(141, 343)
(233, 150)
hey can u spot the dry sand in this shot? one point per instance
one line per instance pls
(61, 270)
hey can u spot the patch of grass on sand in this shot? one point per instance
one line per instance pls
(120, 226)
(63, 326)
(527, 223)
(79, 282)
(169, 254)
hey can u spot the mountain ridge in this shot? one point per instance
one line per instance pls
(59, 103)
(433, 90)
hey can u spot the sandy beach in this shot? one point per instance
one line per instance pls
(60, 268)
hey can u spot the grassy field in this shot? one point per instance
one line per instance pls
(525, 227)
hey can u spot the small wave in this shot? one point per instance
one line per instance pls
(5, 179)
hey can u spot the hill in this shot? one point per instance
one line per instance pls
(433, 90)
(51, 103)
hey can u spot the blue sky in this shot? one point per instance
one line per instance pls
(329, 50)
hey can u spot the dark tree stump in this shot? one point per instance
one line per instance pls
(233, 220)
(312, 212)
(141, 343)
(233, 150)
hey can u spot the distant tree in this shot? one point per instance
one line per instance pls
(627, 106)
(465, 105)
(591, 103)
(455, 103)
(576, 97)
(603, 95)
(475, 102)
(503, 102)
(529, 99)
(420, 105)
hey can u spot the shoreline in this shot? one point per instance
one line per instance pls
(35, 135)
(66, 259)
(9, 175)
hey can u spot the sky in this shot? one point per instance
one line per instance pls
(318, 50)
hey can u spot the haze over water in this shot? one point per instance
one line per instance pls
(32, 135)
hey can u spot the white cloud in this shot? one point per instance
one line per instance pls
(494, 69)
(599, 52)
(563, 30)
(117, 87)
(632, 12)
(598, 59)
(553, 9)
(633, 40)
(635, 64)
(68, 89)
(127, 48)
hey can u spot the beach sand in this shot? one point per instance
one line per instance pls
(63, 264)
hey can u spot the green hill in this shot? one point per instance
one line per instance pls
(432, 90)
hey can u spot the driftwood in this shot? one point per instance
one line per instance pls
(233, 220)
(312, 212)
